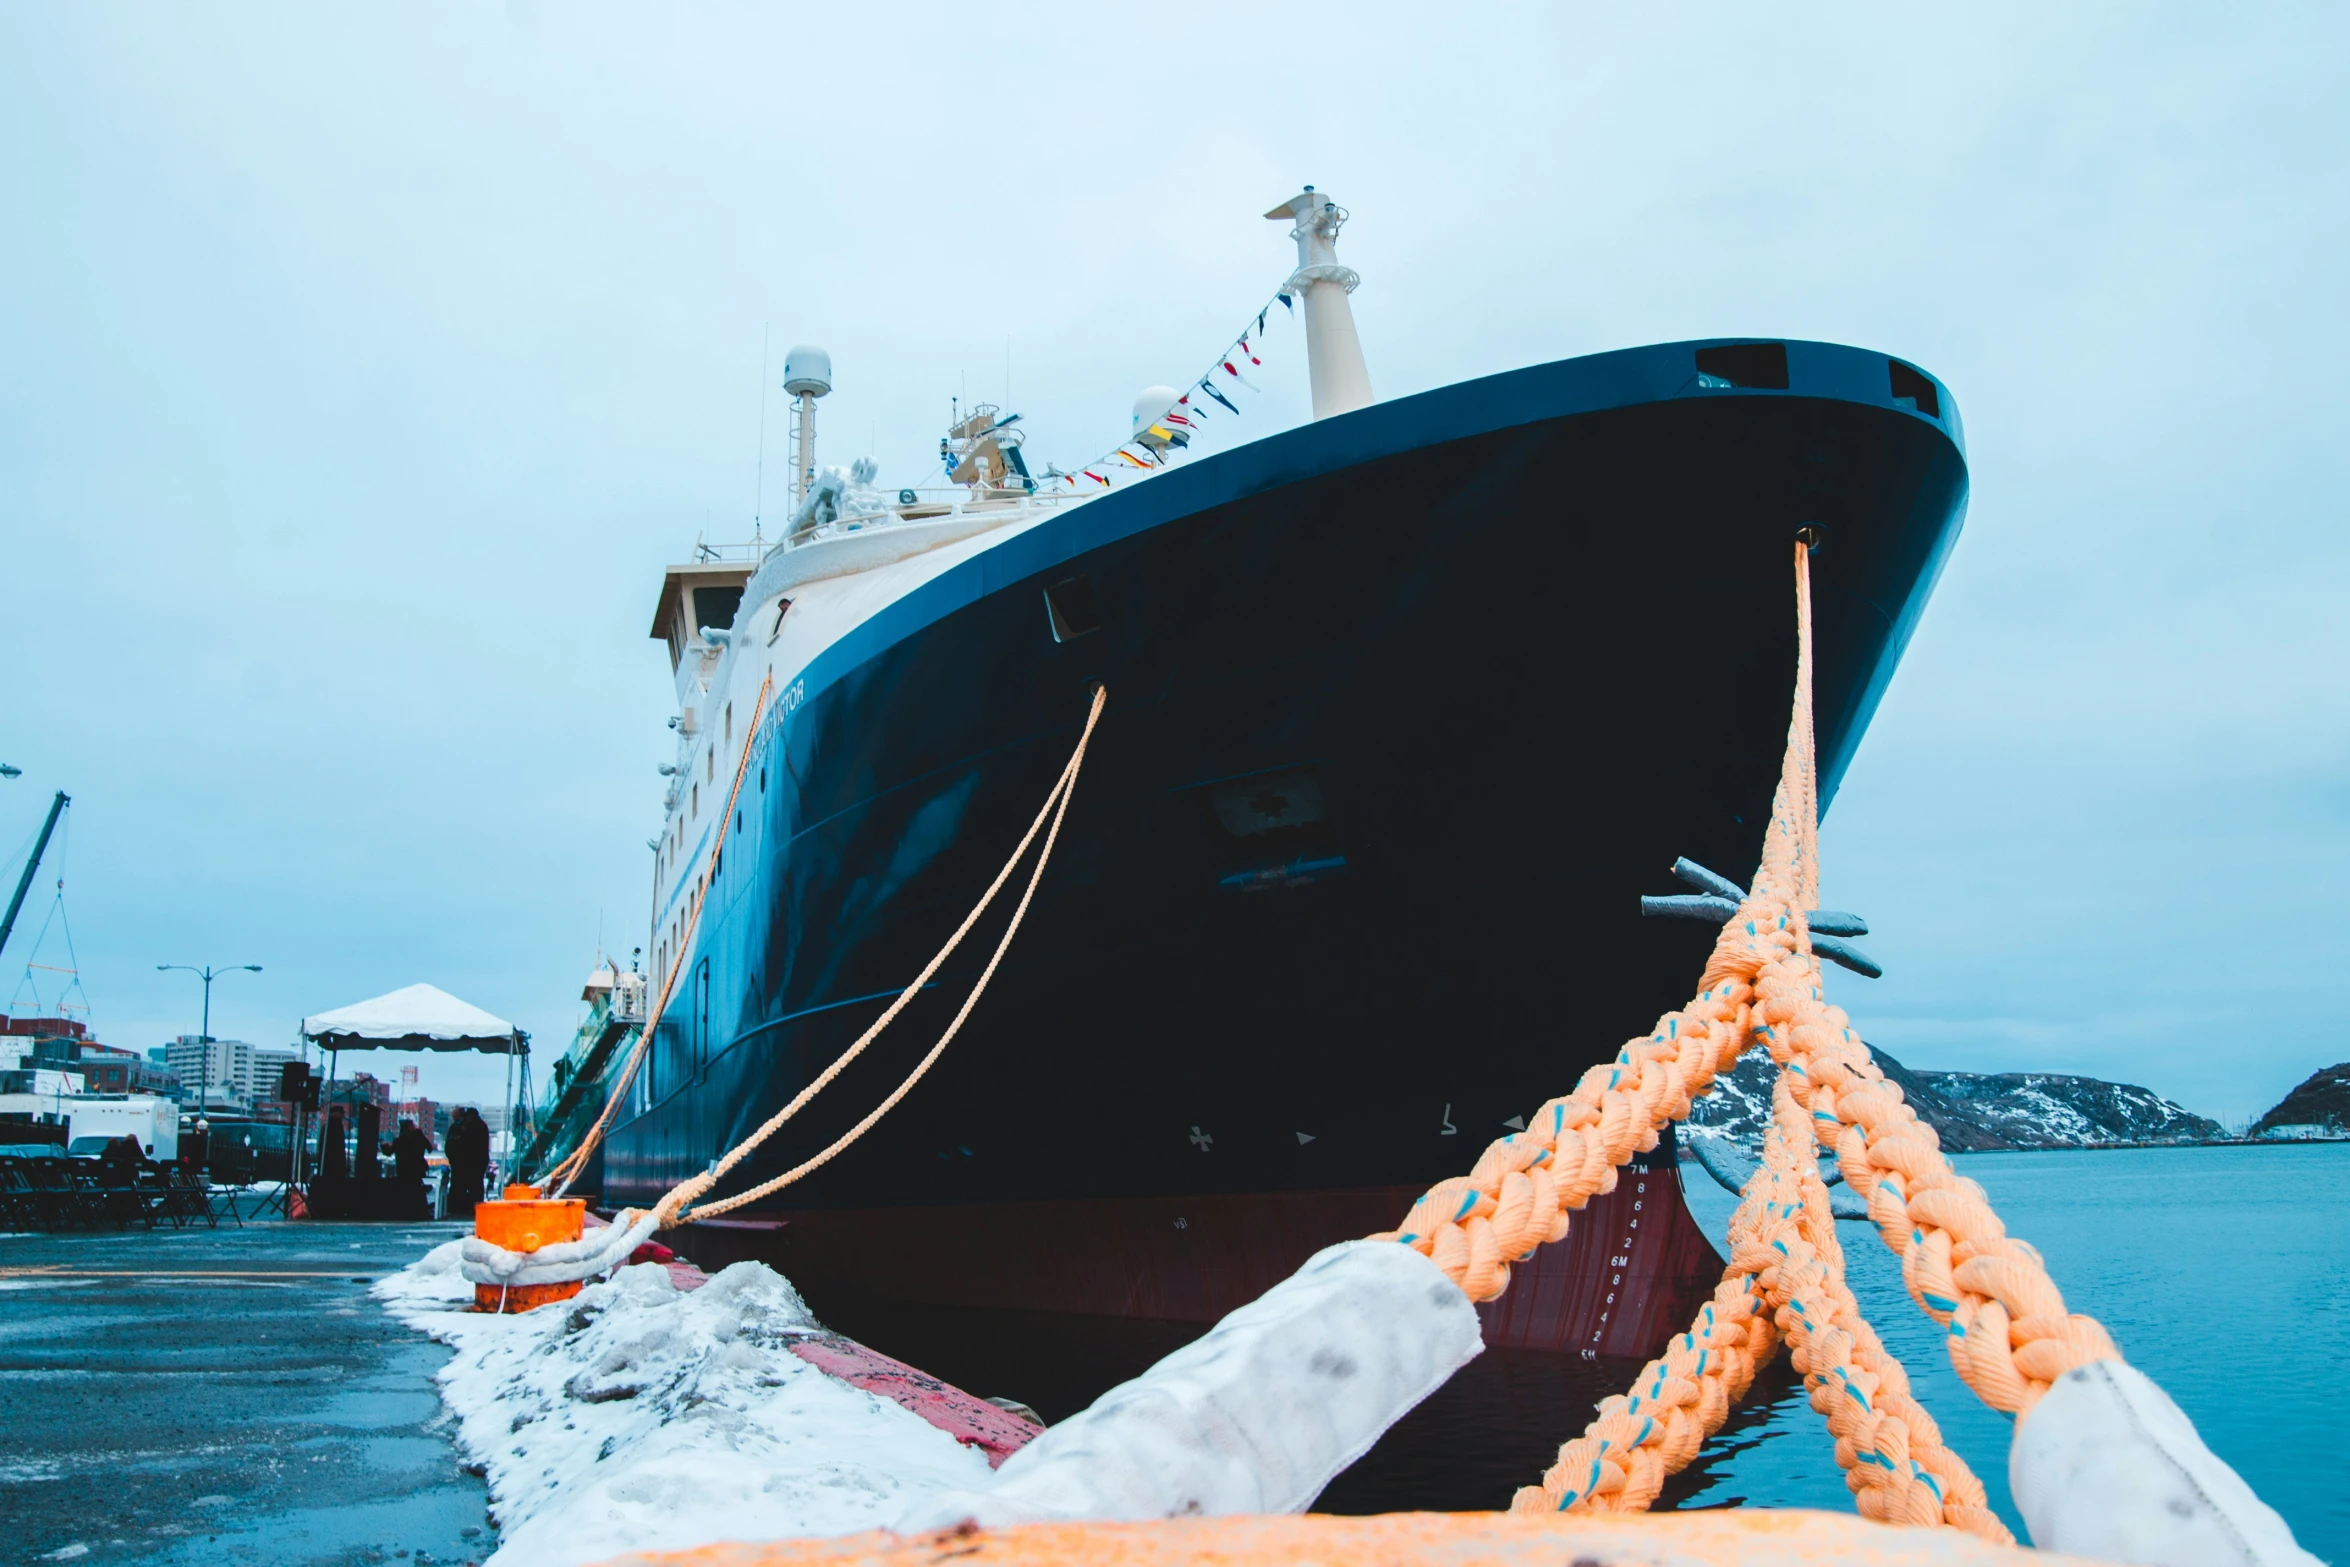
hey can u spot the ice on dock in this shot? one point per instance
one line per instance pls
(641, 1417)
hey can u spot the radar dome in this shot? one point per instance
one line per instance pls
(807, 371)
(1151, 402)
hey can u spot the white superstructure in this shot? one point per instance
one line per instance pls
(766, 620)
(742, 618)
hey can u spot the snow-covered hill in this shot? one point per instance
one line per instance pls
(2049, 1110)
(1971, 1111)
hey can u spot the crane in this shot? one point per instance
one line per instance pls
(24, 883)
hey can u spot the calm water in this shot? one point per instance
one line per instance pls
(2221, 1273)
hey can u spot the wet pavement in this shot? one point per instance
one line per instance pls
(234, 1396)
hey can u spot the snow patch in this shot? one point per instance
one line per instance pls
(637, 1417)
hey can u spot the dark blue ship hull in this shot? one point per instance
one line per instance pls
(1406, 710)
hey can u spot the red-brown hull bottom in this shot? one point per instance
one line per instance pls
(1632, 1268)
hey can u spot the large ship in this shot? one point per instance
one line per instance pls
(1406, 709)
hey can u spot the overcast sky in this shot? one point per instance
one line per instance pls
(360, 368)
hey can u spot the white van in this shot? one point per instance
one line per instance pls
(154, 1122)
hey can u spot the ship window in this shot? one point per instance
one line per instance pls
(715, 606)
(1912, 389)
(697, 801)
(1744, 364)
(730, 723)
(1072, 608)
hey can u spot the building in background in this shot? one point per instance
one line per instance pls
(56, 1083)
(106, 1070)
(56, 1044)
(361, 1088)
(220, 1076)
(269, 1065)
(22, 1037)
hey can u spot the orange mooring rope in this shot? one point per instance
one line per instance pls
(2009, 1334)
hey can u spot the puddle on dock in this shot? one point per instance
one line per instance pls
(203, 1419)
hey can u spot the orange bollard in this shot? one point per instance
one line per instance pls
(522, 1221)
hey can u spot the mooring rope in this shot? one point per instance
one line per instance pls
(672, 1209)
(564, 1173)
(2009, 1334)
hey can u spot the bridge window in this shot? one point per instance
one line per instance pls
(715, 606)
(1760, 365)
(1913, 389)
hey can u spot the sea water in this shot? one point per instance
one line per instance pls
(2220, 1272)
(2223, 1273)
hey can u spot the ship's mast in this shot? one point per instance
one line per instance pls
(1334, 354)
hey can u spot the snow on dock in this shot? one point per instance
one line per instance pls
(639, 1416)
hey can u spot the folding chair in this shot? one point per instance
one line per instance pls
(191, 1199)
(120, 1203)
(67, 1200)
(155, 1196)
(17, 1209)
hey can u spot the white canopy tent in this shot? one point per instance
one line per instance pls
(416, 1017)
(423, 1017)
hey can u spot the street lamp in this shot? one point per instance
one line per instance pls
(208, 974)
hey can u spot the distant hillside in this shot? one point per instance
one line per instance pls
(1970, 1111)
(2322, 1101)
(2047, 1110)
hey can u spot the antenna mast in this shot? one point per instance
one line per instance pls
(807, 375)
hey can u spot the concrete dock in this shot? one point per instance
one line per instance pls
(224, 1396)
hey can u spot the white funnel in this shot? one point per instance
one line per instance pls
(1334, 354)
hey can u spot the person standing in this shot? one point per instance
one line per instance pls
(334, 1148)
(119, 1164)
(469, 1160)
(409, 1146)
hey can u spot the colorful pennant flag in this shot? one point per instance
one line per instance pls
(1183, 418)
